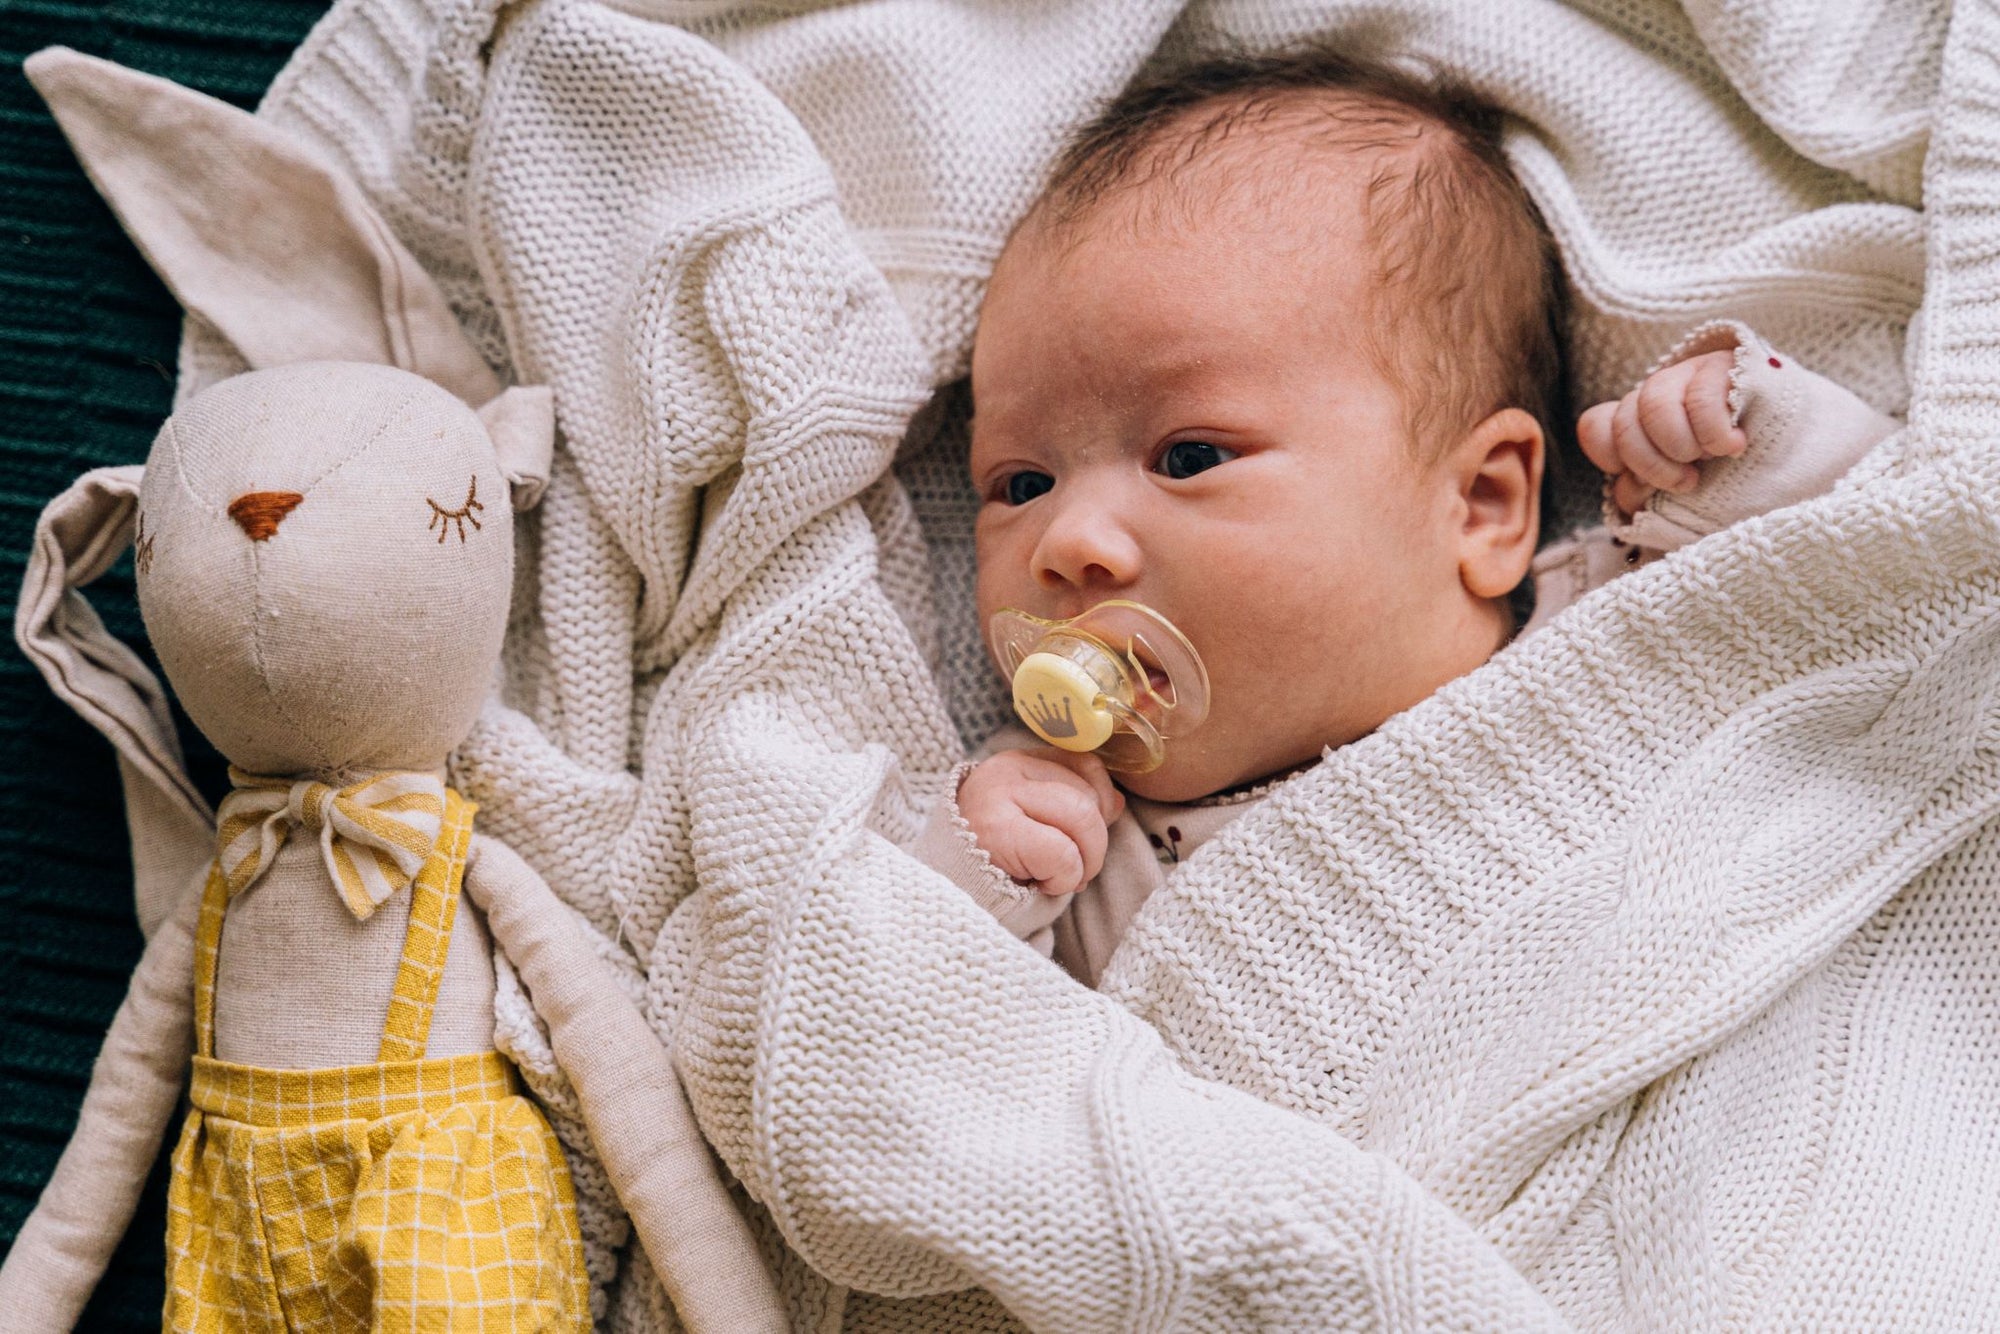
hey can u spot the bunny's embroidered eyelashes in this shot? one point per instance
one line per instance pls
(142, 548)
(443, 519)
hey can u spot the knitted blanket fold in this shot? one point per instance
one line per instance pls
(1643, 978)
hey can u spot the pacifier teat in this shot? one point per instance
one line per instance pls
(1119, 680)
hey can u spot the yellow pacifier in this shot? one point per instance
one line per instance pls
(1113, 680)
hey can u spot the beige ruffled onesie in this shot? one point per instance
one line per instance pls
(1805, 432)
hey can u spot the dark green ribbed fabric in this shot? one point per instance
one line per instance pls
(87, 344)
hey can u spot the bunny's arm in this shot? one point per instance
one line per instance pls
(62, 1249)
(638, 1115)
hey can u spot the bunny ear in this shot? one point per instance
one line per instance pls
(277, 250)
(522, 425)
(79, 535)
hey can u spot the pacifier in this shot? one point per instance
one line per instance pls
(1119, 680)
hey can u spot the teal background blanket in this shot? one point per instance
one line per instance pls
(87, 347)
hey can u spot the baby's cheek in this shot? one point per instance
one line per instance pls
(1320, 581)
(1002, 577)
(1304, 628)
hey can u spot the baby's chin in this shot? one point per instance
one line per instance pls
(1192, 773)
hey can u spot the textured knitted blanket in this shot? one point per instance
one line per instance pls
(1647, 977)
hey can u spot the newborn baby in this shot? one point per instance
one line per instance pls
(1274, 355)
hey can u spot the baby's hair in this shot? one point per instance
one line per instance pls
(1463, 254)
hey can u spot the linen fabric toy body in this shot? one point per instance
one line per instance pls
(324, 557)
(300, 1188)
(384, 1192)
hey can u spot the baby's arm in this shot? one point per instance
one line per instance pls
(1725, 430)
(1021, 831)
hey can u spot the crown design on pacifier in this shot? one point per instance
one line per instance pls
(1119, 680)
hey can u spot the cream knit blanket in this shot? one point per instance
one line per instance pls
(1648, 977)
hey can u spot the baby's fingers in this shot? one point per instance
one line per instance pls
(1640, 457)
(1663, 414)
(1042, 855)
(1629, 494)
(1593, 436)
(1707, 403)
(1070, 809)
(1088, 767)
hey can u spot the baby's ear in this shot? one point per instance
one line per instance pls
(1497, 468)
(281, 253)
(522, 423)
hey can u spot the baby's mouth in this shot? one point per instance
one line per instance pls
(1148, 661)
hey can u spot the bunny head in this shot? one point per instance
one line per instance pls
(323, 544)
(324, 557)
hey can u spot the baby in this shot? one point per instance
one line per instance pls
(1274, 355)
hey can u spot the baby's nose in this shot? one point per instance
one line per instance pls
(259, 513)
(1086, 546)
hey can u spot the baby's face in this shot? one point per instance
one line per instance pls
(1184, 411)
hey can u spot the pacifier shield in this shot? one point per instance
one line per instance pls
(1118, 679)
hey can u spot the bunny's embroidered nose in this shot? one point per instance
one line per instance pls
(259, 513)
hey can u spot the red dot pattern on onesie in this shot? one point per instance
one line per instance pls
(1777, 365)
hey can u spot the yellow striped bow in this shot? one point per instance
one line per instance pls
(374, 835)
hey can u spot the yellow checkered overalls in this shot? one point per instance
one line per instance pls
(411, 1194)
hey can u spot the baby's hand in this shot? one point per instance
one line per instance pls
(1651, 439)
(1042, 815)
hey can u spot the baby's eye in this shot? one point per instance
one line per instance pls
(1185, 458)
(1022, 487)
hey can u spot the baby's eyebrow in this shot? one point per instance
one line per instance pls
(1179, 363)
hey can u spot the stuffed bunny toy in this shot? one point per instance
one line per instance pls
(323, 548)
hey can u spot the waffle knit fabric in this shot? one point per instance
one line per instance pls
(1644, 978)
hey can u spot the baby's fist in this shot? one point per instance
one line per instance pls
(1651, 439)
(1042, 815)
